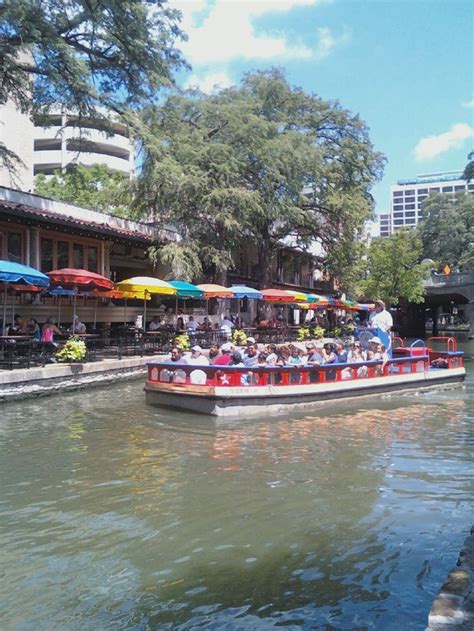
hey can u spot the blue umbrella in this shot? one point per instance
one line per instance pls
(186, 290)
(241, 291)
(18, 274)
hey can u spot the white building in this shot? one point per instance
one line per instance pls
(385, 224)
(55, 140)
(407, 196)
(59, 141)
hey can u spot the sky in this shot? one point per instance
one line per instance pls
(405, 66)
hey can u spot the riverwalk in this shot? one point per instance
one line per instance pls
(22, 383)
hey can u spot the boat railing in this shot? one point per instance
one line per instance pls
(281, 376)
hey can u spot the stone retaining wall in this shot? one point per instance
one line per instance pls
(32, 382)
(453, 607)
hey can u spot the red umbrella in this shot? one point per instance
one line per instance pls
(79, 280)
(277, 295)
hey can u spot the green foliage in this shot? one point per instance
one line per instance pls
(230, 169)
(303, 333)
(468, 173)
(447, 229)
(318, 332)
(239, 337)
(182, 342)
(86, 55)
(96, 187)
(73, 350)
(392, 269)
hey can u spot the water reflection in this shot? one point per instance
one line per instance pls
(124, 515)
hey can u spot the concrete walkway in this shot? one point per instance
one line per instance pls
(453, 607)
(30, 382)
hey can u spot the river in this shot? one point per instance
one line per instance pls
(116, 515)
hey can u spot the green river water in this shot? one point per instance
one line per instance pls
(116, 515)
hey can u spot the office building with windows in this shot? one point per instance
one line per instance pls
(407, 196)
(385, 225)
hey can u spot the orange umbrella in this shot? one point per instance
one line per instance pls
(215, 291)
(277, 295)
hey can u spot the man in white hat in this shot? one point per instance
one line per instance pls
(197, 358)
(224, 358)
(381, 318)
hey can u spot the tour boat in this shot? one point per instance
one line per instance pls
(225, 391)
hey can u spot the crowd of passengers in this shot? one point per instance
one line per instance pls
(252, 356)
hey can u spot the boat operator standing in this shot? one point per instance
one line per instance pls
(381, 322)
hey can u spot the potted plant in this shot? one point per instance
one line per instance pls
(74, 350)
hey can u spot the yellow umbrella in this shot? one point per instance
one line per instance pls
(142, 287)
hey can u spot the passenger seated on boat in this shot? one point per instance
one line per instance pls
(213, 353)
(236, 360)
(250, 357)
(341, 352)
(439, 362)
(356, 354)
(224, 358)
(175, 375)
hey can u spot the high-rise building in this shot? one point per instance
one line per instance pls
(61, 139)
(407, 196)
(385, 224)
(56, 140)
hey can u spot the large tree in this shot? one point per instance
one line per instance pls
(392, 269)
(447, 229)
(96, 187)
(258, 164)
(86, 55)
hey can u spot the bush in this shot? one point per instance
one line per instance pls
(73, 350)
(182, 342)
(318, 332)
(303, 333)
(239, 338)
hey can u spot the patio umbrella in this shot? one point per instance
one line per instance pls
(215, 291)
(144, 286)
(242, 291)
(185, 290)
(78, 280)
(15, 273)
(277, 295)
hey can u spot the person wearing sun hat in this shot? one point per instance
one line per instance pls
(197, 358)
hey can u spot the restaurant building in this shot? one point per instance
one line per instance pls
(49, 234)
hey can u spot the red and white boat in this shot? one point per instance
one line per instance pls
(242, 392)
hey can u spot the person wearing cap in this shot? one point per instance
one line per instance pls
(250, 340)
(197, 358)
(224, 358)
(380, 318)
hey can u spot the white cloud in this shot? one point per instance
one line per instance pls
(468, 103)
(225, 30)
(209, 82)
(432, 146)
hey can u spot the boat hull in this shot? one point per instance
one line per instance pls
(245, 401)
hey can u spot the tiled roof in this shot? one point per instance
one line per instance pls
(46, 211)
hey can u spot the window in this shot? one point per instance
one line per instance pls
(409, 199)
(447, 189)
(398, 222)
(434, 190)
(14, 247)
(459, 188)
(398, 194)
(410, 207)
(62, 254)
(422, 197)
(410, 214)
(78, 255)
(398, 214)
(470, 187)
(422, 191)
(398, 207)
(411, 221)
(410, 192)
(92, 258)
(46, 255)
